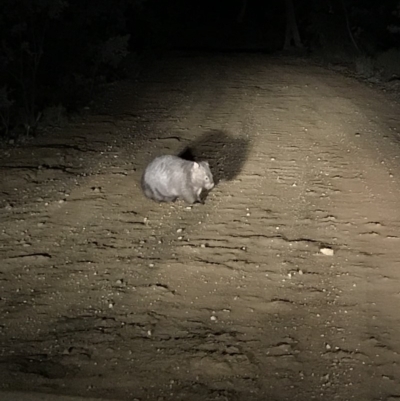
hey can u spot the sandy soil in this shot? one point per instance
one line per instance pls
(284, 285)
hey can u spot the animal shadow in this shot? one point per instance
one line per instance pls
(226, 154)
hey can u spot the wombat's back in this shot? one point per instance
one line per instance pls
(167, 166)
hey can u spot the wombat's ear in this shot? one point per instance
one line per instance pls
(196, 166)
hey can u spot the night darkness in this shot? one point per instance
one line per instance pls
(258, 259)
(58, 52)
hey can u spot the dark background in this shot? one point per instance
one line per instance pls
(57, 53)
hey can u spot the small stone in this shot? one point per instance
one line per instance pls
(179, 230)
(327, 251)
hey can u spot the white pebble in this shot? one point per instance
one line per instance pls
(327, 251)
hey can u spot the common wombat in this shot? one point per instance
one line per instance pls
(170, 177)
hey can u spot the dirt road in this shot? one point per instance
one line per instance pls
(285, 285)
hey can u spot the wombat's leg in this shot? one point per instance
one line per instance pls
(148, 192)
(169, 198)
(189, 198)
(159, 196)
(199, 199)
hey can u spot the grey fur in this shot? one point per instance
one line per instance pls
(170, 177)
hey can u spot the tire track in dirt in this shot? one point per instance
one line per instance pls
(233, 299)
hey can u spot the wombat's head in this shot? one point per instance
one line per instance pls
(202, 176)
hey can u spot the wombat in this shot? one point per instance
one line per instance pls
(170, 177)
